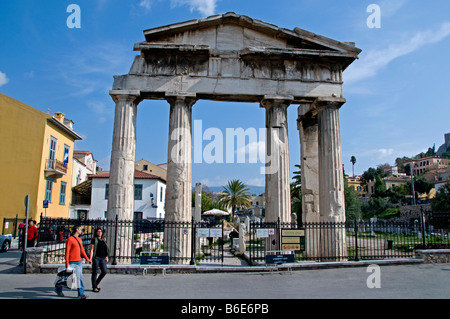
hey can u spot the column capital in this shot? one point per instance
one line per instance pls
(271, 100)
(126, 95)
(307, 115)
(187, 97)
(328, 101)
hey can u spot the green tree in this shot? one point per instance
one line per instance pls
(441, 202)
(353, 161)
(379, 187)
(422, 185)
(371, 174)
(375, 207)
(352, 203)
(235, 195)
(296, 193)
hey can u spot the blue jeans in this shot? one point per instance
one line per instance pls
(78, 270)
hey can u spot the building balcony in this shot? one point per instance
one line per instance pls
(54, 168)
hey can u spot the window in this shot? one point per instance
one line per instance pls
(52, 153)
(145, 167)
(137, 191)
(62, 194)
(66, 156)
(82, 214)
(161, 195)
(48, 189)
(106, 191)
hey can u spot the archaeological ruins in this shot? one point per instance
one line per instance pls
(231, 57)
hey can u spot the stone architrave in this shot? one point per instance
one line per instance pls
(121, 178)
(331, 177)
(177, 233)
(278, 195)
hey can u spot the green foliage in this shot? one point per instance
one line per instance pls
(352, 203)
(208, 202)
(375, 206)
(296, 192)
(389, 213)
(372, 173)
(441, 202)
(235, 195)
(422, 185)
(353, 161)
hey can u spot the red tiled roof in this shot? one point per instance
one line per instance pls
(137, 175)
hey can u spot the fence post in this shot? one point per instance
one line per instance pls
(193, 246)
(356, 240)
(222, 242)
(39, 233)
(422, 215)
(250, 248)
(115, 241)
(15, 226)
(279, 234)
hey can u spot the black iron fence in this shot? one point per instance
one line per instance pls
(352, 240)
(142, 236)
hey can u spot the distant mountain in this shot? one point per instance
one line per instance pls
(253, 190)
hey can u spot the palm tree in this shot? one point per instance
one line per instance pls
(235, 195)
(353, 161)
(296, 193)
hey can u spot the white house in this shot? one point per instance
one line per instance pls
(149, 196)
(91, 197)
(84, 165)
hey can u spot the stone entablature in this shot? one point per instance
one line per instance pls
(235, 58)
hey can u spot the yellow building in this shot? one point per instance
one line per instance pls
(37, 150)
(356, 185)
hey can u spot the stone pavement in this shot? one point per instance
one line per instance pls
(423, 281)
(229, 260)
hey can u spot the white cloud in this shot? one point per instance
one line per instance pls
(216, 181)
(3, 79)
(258, 181)
(375, 60)
(89, 69)
(146, 4)
(252, 152)
(205, 7)
(389, 7)
(379, 153)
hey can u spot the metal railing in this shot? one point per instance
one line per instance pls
(352, 240)
(128, 238)
(55, 165)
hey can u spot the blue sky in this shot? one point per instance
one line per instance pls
(396, 92)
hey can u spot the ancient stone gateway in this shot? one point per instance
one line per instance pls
(231, 57)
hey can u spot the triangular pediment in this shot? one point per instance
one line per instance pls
(233, 32)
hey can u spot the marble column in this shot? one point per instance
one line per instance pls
(308, 127)
(177, 240)
(278, 196)
(331, 177)
(121, 176)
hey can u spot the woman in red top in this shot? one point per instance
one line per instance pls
(74, 253)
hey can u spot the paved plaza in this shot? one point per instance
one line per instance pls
(396, 282)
